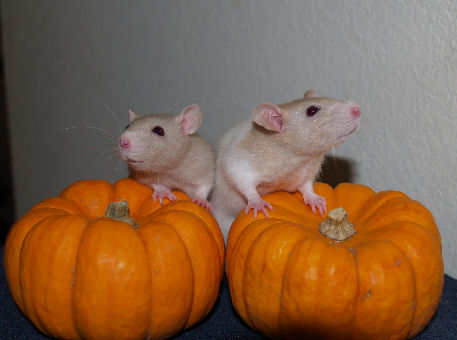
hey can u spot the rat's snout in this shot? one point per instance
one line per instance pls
(124, 143)
(355, 110)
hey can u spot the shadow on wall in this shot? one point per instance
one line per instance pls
(6, 186)
(336, 170)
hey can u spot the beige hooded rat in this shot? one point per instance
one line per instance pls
(163, 152)
(280, 149)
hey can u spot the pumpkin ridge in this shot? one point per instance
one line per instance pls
(219, 242)
(386, 212)
(58, 203)
(45, 223)
(193, 277)
(90, 196)
(399, 318)
(84, 226)
(413, 282)
(185, 324)
(55, 211)
(27, 235)
(229, 257)
(17, 235)
(243, 293)
(135, 193)
(315, 295)
(296, 245)
(416, 225)
(148, 331)
(428, 238)
(387, 287)
(152, 311)
(244, 237)
(203, 223)
(204, 308)
(375, 203)
(58, 266)
(356, 303)
(113, 306)
(353, 251)
(21, 285)
(372, 217)
(249, 255)
(342, 245)
(286, 236)
(358, 195)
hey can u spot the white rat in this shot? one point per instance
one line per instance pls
(163, 153)
(281, 149)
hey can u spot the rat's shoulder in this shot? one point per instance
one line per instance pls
(197, 142)
(236, 134)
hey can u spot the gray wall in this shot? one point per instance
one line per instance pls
(67, 60)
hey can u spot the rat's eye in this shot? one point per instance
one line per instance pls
(127, 127)
(158, 130)
(312, 110)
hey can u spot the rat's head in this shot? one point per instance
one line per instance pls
(158, 142)
(310, 124)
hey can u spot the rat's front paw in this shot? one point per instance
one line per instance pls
(163, 193)
(204, 203)
(258, 205)
(315, 202)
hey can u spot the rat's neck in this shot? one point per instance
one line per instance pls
(270, 141)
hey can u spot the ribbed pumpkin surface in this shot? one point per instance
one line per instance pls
(287, 280)
(77, 274)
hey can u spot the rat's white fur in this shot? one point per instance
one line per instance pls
(253, 160)
(178, 160)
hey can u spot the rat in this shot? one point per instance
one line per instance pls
(164, 152)
(280, 149)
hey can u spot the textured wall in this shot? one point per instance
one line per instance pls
(67, 60)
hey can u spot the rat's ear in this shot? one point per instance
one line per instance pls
(190, 119)
(270, 116)
(133, 116)
(310, 94)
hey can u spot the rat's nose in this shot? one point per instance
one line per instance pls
(124, 143)
(355, 110)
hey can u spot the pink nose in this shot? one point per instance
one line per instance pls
(124, 143)
(355, 110)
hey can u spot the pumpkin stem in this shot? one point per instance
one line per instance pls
(337, 226)
(119, 211)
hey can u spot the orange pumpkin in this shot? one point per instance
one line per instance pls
(77, 274)
(287, 280)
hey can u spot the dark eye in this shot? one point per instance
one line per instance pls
(127, 126)
(158, 130)
(312, 110)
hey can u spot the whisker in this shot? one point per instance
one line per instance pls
(114, 116)
(323, 124)
(103, 148)
(171, 107)
(114, 165)
(69, 128)
(103, 132)
(334, 160)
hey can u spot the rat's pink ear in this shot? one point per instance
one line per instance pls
(270, 116)
(310, 94)
(133, 116)
(190, 119)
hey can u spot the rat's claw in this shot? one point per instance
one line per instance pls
(160, 195)
(204, 203)
(258, 205)
(316, 202)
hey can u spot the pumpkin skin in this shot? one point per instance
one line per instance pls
(287, 280)
(77, 274)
